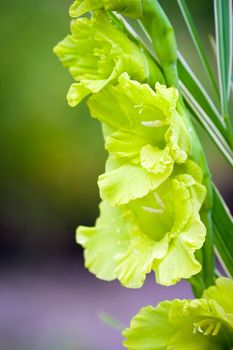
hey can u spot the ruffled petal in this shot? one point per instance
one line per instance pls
(184, 324)
(150, 329)
(97, 52)
(103, 242)
(137, 260)
(127, 182)
(222, 292)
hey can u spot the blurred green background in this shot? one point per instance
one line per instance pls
(52, 154)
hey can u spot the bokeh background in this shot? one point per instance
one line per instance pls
(51, 156)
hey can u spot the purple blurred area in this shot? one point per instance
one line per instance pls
(50, 160)
(58, 306)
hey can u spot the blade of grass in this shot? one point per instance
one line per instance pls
(213, 44)
(110, 321)
(201, 116)
(197, 43)
(223, 29)
(223, 224)
(195, 87)
(221, 249)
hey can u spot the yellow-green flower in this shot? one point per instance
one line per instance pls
(158, 232)
(144, 135)
(131, 8)
(97, 52)
(201, 324)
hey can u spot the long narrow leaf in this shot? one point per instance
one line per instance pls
(207, 124)
(110, 321)
(223, 224)
(195, 87)
(197, 42)
(223, 29)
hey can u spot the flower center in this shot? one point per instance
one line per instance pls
(207, 327)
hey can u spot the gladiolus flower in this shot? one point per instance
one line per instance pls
(203, 324)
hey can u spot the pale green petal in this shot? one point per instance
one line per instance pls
(150, 329)
(137, 260)
(80, 7)
(117, 248)
(197, 192)
(169, 212)
(134, 106)
(178, 139)
(126, 183)
(185, 340)
(191, 168)
(124, 145)
(153, 216)
(187, 233)
(97, 52)
(205, 323)
(222, 292)
(137, 109)
(77, 92)
(76, 52)
(103, 242)
(155, 160)
(170, 95)
(131, 8)
(178, 263)
(200, 324)
(182, 204)
(169, 326)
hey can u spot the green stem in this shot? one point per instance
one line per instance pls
(197, 285)
(156, 23)
(208, 255)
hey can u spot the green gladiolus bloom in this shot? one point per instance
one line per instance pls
(131, 8)
(144, 135)
(201, 324)
(97, 52)
(158, 232)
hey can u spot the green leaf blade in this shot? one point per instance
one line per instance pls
(223, 28)
(223, 229)
(207, 125)
(203, 109)
(197, 43)
(195, 87)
